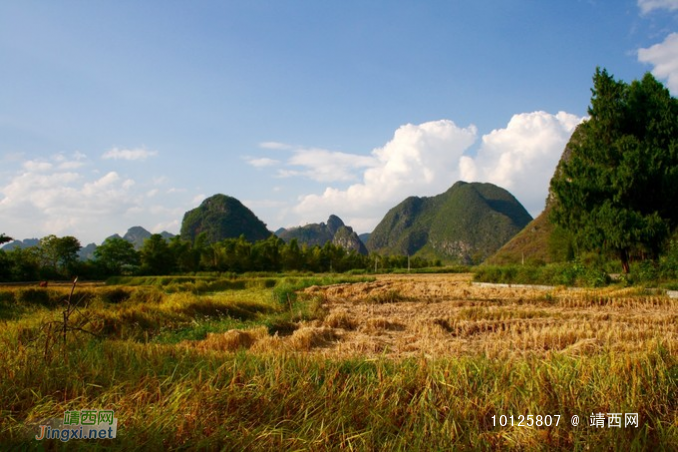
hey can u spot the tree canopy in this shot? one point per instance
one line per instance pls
(59, 253)
(117, 255)
(617, 193)
(156, 256)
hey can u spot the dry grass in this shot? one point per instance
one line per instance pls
(406, 362)
(229, 341)
(447, 316)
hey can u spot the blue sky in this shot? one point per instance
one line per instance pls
(122, 113)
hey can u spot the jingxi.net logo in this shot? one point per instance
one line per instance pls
(82, 424)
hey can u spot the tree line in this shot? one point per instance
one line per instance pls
(57, 258)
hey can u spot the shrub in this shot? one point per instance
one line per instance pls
(668, 264)
(566, 273)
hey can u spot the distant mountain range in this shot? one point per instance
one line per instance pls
(135, 235)
(466, 224)
(334, 231)
(26, 243)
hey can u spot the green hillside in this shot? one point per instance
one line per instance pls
(222, 217)
(466, 224)
(310, 234)
(540, 241)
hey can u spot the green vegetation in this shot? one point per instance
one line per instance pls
(662, 272)
(540, 242)
(58, 254)
(590, 271)
(334, 231)
(221, 217)
(613, 194)
(465, 225)
(310, 234)
(52, 258)
(556, 274)
(116, 257)
(617, 192)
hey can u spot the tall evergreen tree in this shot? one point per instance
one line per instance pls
(618, 191)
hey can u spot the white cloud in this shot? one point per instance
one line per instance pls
(522, 157)
(38, 201)
(173, 225)
(664, 58)
(128, 154)
(71, 165)
(13, 156)
(276, 145)
(427, 159)
(173, 212)
(420, 159)
(37, 166)
(38, 198)
(264, 204)
(649, 5)
(261, 162)
(317, 164)
(198, 199)
(327, 166)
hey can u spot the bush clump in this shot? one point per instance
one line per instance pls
(567, 274)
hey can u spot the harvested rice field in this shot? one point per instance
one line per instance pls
(434, 316)
(392, 362)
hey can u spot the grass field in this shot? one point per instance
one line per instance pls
(400, 362)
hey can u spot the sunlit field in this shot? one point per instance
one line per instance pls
(393, 362)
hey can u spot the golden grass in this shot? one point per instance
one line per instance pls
(231, 341)
(447, 316)
(407, 362)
